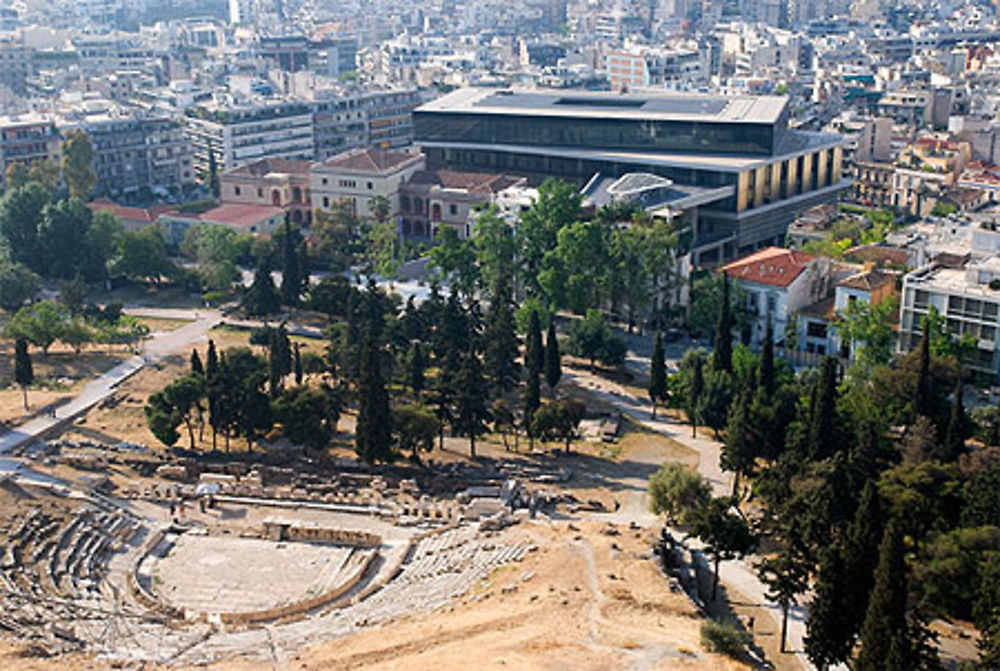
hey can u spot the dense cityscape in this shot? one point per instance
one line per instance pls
(598, 334)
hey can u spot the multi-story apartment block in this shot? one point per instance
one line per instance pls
(654, 68)
(28, 139)
(327, 125)
(134, 152)
(390, 117)
(243, 134)
(968, 298)
(754, 174)
(924, 170)
(16, 64)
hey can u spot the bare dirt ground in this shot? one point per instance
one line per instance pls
(584, 600)
(58, 376)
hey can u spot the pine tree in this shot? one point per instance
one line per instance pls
(766, 373)
(417, 368)
(823, 426)
(196, 367)
(553, 363)
(261, 297)
(24, 373)
(954, 440)
(831, 627)
(501, 347)
(291, 281)
(657, 374)
(885, 618)
(722, 355)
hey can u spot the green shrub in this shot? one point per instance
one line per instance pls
(726, 638)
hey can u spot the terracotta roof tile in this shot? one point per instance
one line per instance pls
(368, 160)
(773, 266)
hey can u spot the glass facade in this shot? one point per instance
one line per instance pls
(576, 132)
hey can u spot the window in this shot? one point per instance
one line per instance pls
(260, 193)
(453, 209)
(370, 186)
(325, 181)
(816, 330)
(326, 201)
(236, 190)
(772, 303)
(921, 299)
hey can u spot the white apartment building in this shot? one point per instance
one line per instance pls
(968, 298)
(241, 135)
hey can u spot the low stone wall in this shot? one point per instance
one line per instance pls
(306, 533)
(300, 607)
(143, 595)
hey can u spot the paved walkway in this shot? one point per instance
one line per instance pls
(736, 574)
(156, 347)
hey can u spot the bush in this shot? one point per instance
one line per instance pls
(726, 638)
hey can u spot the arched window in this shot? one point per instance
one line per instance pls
(404, 203)
(436, 212)
(418, 206)
(297, 194)
(276, 198)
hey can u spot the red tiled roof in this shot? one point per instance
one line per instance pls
(123, 212)
(240, 215)
(368, 160)
(476, 182)
(774, 266)
(268, 165)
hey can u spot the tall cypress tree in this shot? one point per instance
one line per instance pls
(695, 392)
(373, 435)
(418, 366)
(954, 440)
(861, 554)
(501, 340)
(722, 356)
(196, 367)
(212, 388)
(657, 374)
(766, 373)
(291, 279)
(297, 365)
(532, 369)
(923, 403)
(473, 392)
(305, 268)
(553, 360)
(831, 627)
(885, 618)
(24, 372)
(823, 424)
(214, 183)
(738, 452)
